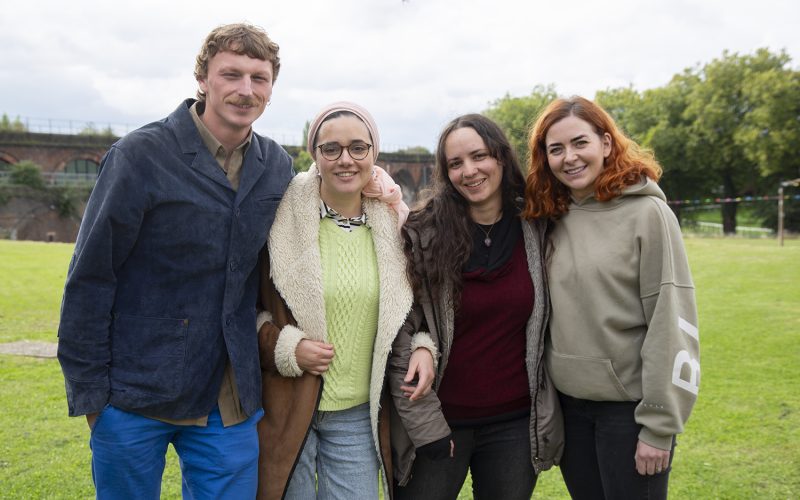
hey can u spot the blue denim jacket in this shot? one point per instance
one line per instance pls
(161, 289)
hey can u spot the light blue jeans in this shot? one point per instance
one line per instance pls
(216, 462)
(341, 453)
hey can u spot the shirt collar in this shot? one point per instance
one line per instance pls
(346, 223)
(209, 140)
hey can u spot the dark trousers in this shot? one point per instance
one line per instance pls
(599, 452)
(498, 456)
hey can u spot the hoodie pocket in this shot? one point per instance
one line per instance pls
(586, 378)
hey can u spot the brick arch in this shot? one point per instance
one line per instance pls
(406, 181)
(8, 158)
(92, 157)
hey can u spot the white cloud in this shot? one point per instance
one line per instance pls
(414, 64)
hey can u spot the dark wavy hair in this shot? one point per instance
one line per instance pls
(546, 196)
(447, 212)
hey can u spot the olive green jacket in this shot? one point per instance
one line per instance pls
(417, 423)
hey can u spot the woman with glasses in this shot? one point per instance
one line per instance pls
(623, 350)
(480, 291)
(334, 294)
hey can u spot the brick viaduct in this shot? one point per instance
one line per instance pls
(24, 218)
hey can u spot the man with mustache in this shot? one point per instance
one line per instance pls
(157, 336)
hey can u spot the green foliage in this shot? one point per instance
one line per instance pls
(27, 173)
(720, 108)
(655, 120)
(770, 131)
(91, 129)
(303, 161)
(305, 134)
(728, 128)
(747, 417)
(414, 150)
(66, 199)
(767, 213)
(516, 115)
(15, 125)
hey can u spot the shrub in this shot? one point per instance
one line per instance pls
(27, 173)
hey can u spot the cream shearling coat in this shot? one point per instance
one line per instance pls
(296, 272)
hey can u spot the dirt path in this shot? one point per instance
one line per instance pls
(29, 348)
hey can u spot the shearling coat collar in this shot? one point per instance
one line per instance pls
(296, 271)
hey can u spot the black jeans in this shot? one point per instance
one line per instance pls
(599, 452)
(498, 455)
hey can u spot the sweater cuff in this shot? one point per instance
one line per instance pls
(655, 440)
(424, 340)
(285, 357)
(263, 317)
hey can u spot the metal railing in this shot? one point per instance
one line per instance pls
(715, 229)
(57, 179)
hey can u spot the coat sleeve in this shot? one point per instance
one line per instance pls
(671, 349)
(108, 232)
(422, 419)
(278, 334)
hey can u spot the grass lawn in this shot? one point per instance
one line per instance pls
(742, 441)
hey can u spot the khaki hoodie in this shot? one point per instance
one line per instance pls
(624, 322)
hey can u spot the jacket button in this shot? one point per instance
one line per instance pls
(228, 321)
(233, 266)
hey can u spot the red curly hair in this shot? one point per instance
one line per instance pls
(545, 196)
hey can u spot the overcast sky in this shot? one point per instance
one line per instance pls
(414, 64)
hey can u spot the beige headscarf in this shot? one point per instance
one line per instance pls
(381, 185)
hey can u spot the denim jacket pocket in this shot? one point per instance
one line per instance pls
(148, 354)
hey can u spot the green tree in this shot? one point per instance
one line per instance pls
(27, 173)
(720, 109)
(14, 125)
(516, 115)
(303, 161)
(656, 120)
(305, 134)
(770, 137)
(91, 129)
(414, 150)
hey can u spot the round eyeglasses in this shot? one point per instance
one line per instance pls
(332, 151)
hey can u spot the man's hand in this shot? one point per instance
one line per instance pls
(314, 356)
(420, 366)
(90, 419)
(650, 460)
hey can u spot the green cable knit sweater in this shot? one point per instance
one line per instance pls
(350, 282)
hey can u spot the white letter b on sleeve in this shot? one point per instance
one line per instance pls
(682, 359)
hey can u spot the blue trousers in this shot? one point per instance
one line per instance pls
(128, 456)
(339, 460)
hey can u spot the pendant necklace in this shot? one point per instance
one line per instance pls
(487, 240)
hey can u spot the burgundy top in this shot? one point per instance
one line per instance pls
(486, 375)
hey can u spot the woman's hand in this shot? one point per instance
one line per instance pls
(314, 356)
(421, 365)
(650, 460)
